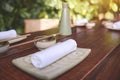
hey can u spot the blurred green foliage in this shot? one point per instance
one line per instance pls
(13, 12)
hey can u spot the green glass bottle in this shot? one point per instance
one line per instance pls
(64, 25)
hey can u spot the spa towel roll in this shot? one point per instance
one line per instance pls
(46, 57)
(81, 21)
(116, 25)
(8, 34)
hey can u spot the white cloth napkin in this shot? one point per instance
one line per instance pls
(45, 57)
(8, 34)
(116, 25)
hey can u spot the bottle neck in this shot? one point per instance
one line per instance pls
(64, 5)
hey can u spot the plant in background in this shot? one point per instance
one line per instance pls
(9, 15)
(115, 7)
(85, 9)
(110, 8)
(13, 12)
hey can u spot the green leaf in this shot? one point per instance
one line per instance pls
(109, 15)
(2, 26)
(24, 13)
(7, 7)
(94, 1)
(114, 6)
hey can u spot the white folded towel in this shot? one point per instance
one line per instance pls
(46, 57)
(8, 34)
(116, 25)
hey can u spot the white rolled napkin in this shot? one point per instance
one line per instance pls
(116, 25)
(46, 57)
(8, 34)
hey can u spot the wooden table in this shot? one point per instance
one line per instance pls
(103, 63)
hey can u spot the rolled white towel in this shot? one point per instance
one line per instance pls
(116, 25)
(81, 21)
(46, 57)
(8, 34)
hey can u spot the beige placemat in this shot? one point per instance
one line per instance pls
(55, 69)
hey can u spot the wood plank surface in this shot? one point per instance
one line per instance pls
(101, 64)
